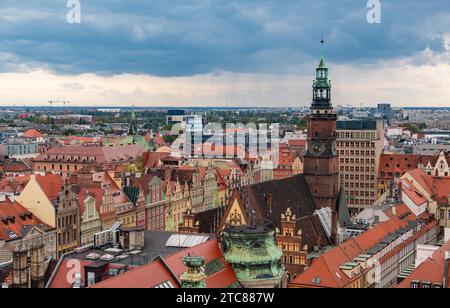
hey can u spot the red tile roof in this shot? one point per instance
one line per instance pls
(392, 164)
(441, 190)
(327, 266)
(65, 275)
(431, 270)
(101, 154)
(297, 142)
(13, 221)
(79, 140)
(96, 193)
(214, 150)
(414, 195)
(151, 275)
(14, 184)
(51, 184)
(15, 167)
(423, 179)
(32, 133)
(399, 210)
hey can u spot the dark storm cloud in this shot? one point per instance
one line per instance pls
(188, 37)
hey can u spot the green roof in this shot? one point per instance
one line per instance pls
(322, 63)
(132, 193)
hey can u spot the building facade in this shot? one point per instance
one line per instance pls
(68, 220)
(360, 144)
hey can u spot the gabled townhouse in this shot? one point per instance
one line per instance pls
(40, 196)
(21, 229)
(90, 202)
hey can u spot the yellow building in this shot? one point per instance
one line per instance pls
(40, 197)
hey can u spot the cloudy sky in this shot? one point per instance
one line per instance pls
(223, 52)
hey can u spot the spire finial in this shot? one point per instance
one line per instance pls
(322, 42)
(322, 60)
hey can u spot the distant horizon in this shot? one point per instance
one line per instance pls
(129, 107)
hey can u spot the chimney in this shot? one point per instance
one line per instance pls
(37, 266)
(20, 269)
(394, 210)
(400, 190)
(269, 202)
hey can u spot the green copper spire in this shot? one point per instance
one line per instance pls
(132, 129)
(194, 278)
(254, 256)
(322, 63)
(322, 85)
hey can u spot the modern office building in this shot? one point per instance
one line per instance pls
(360, 144)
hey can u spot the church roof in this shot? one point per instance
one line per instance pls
(290, 193)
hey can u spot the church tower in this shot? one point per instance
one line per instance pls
(132, 130)
(321, 164)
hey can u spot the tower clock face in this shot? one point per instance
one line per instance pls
(317, 148)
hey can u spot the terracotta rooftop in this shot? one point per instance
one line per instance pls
(297, 142)
(431, 270)
(100, 154)
(14, 184)
(398, 164)
(414, 195)
(51, 184)
(423, 179)
(156, 273)
(16, 221)
(441, 190)
(32, 133)
(15, 167)
(325, 271)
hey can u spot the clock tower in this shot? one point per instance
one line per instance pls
(321, 160)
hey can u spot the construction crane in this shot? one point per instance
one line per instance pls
(64, 103)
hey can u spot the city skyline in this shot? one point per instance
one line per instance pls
(216, 53)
